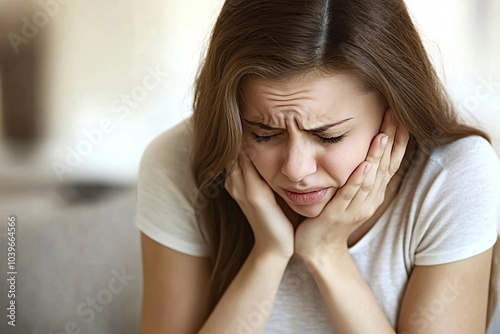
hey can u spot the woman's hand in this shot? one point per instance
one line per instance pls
(273, 232)
(357, 200)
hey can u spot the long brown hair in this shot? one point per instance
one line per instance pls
(373, 39)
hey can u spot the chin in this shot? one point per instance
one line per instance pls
(297, 213)
(307, 211)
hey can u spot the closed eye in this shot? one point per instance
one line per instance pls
(330, 140)
(327, 140)
(262, 139)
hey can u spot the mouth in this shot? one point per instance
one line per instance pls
(306, 197)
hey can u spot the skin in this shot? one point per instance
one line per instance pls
(292, 158)
(320, 234)
(277, 118)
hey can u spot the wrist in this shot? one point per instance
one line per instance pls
(325, 256)
(266, 254)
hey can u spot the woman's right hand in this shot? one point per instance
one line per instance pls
(273, 232)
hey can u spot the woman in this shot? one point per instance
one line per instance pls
(323, 183)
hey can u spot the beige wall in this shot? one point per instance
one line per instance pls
(462, 38)
(96, 53)
(127, 64)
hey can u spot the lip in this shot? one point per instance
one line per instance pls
(306, 197)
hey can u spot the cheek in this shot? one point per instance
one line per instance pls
(263, 159)
(342, 162)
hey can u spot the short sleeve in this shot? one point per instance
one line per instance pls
(459, 215)
(166, 192)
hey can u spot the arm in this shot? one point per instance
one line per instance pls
(175, 295)
(350, 303)
(348, 299)
(448, 298)
(176, 285)
(246, 305)
(322, 242)
(445, 298)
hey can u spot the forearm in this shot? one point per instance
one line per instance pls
(247, 303)
(350, 302)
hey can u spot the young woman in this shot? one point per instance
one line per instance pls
(322, 185)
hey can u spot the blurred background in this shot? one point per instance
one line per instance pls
(85, 85)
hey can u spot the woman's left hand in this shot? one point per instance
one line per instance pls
(356, 201)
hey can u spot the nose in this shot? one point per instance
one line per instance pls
(299, 162)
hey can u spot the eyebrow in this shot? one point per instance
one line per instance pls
(315, 130)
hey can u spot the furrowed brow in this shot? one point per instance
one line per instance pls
(327, 126)
(260, 125)
(315, 130)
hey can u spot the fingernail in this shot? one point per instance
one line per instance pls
(367, 168)
(383, 142)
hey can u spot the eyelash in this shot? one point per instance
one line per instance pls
(325, 140)
(331, 140)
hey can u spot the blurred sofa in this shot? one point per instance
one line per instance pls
(77, 260)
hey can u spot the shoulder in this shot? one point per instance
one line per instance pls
(472, 148)
(466, 170)
(165, 170)
(166, 207)
(455, 201)
(466, 161)
(170, 149)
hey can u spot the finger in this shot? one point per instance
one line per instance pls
(234, 182)
(247, 167)
(355, 191)
(235, 178)
(372, 191)
(389, 128)
(374, 157)
(389, 123)
(344, 196)
(399, 149)
(253, 180)
(231, 167)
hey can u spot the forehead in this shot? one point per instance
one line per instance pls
(311, 80)
(313, 96)
(310, 87)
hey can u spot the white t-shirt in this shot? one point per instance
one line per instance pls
(446, 210)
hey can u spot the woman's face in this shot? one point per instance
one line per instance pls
(306, 135)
